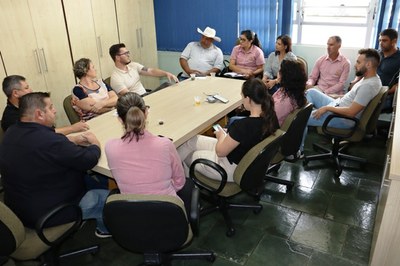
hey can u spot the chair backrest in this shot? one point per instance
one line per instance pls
(12, 231)
(147, 223)
(108, 81)
(73, 117)
(294, 126)
(304, 62)
(251, 170)
(370, 116)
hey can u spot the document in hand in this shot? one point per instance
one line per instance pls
(233, 75)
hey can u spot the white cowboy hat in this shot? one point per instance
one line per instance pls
(209, 33)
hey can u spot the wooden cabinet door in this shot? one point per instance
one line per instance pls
(54, 53)
(18, 46)
(136, 27)
(128, 15)
(3, 97)
(81, 32)
(106, 31)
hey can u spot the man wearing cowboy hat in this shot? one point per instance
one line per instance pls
(203, 57)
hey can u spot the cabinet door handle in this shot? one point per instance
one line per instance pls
(141, 38)
(37, 61)
(137, 38)
(99, 47)
(46, 69)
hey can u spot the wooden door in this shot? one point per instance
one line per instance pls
(54, 52)
(106, 31)
(18, 45)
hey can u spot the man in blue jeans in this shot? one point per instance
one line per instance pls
(41, 169)
(353, 103)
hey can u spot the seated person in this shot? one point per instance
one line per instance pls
(140, 162)
(14, 87)
(331, 71)
(353, 103)
(227, 149)
(53, 167)
(126, 74)
(203, 57)
(90, 97)
(283, 50)
(291, 94)
(247, 58)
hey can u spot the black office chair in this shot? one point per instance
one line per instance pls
(43, 243)
(73, 117)
(248, 176)
(294, 126)
(362, 127)
(154, 225)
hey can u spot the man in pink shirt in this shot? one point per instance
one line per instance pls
(331, 71)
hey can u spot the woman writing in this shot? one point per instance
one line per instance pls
(283, 50)
(247, 58)
(90, 97)
(141, 162)
(227, 149)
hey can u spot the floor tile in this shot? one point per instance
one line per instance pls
(358, 244)
(368, 191)
(312, 201)
(237, 248)
(343, 185)
(351, 211)
(274, 220)
(319, 258)
(320, 234)
(277, 251)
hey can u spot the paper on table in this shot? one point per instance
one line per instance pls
(233, 75)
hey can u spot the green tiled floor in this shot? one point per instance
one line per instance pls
(321, 221)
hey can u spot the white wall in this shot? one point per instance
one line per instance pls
(169, 61)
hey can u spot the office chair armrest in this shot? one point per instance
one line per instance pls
(194, 215)
(41, 223)
(221, 171)
(327, 131)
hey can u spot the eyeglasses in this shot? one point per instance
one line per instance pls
(126, 53)
(242, 39)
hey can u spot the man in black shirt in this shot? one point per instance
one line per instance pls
(41, 169)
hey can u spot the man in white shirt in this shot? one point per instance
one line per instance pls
(126, 74)
(203, 57)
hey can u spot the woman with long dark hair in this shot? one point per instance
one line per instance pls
(228, 148)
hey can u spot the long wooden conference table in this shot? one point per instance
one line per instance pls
(173, 112)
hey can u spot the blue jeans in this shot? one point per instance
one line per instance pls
(92, 204)
(320, 99)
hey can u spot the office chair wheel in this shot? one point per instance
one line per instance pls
(230, 232)
(258, 210)
(211, 258)
(338, 172)
(305, 161)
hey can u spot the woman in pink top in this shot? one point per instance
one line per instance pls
(141, 162)
(290, 96)
(247, 58)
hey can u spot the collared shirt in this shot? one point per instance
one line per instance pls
(130, 80)
(10, 116)
(388, 69)
(202, 59)
(329, 76)
(251, 59)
